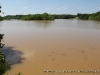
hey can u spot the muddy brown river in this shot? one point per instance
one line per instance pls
(54, 46)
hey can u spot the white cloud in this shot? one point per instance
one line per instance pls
(25, 7)
(58, 8)
(72, 10)
(99, 7)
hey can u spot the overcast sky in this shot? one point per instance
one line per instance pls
(13, 7)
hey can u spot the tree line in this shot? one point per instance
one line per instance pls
(46, 16)
(93, 16)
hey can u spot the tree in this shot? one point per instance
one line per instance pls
(95, 16)
(3, 64)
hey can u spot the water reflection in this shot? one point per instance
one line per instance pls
(88, 24)
(49, 24)
(44, 24)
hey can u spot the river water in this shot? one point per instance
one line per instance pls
(34, 46)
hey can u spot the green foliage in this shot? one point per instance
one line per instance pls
(8, 17)
(44, 16)
(18, 74)
(83, 16)
(4, 66)
(93, 16)
(1, 18)
(64, 16)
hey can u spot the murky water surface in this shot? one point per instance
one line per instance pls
(34, 46)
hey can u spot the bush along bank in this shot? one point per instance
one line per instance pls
(4, 66)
